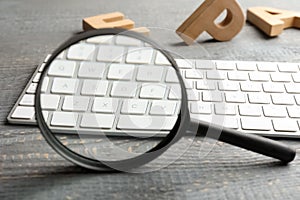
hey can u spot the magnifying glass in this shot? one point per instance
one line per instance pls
(114, 99)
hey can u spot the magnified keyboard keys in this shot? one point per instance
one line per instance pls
(150, 73)
(94, 87)
(105, 105)
(23, 112)
(91, 70)
(120, 71)
(134, 106)
(153, 91)
(267, 67)
(175, 92)
(81, 51)
(163, 107)
(285, 125)
(136, 122)
(234, 97)
(228, 86)
(49, 101)
(252, 123)
(200, 108)
(64, 68)
(97, 121)
(65, 119)
(75, 103)
(45, 84)
(123, 89)
(161, 59)
(185, 63)
(172, 76)
(103, 39)
(216, 75)
(64, 85)
(212, 96)
(139, 55)
(110, 53)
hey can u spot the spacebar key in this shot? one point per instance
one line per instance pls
(132, 122)
(261, 124)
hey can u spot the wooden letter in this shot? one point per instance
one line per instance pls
(272, 21)
(203, 20)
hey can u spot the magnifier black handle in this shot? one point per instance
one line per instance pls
(250, 142)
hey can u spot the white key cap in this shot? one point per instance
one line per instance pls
(235, 97)
(228, 86)
(297, 98)
(105, 105)
(250, 110)
(185, 64)
(212, 96)
(267, 66)
(296, 77)
(45, 84)
(161, 59)
(123, 89)
(205, 85)
(204, 64)
(230, 122)
(139, 55)
(127, 41)
(32, 88)
(97, 121)
(110, 53)
(260, 98)
(150, 73)
(153, 91)
(49, 101)
(226, 65)
(36, 78)
(288, 67)
(42, 67)
(64, 119)
(189, 84)
(292, 88)
(274, 111)
(64, 86)
(250, 86)
(75, 103)
(63, 68)
(273, 87)
(172, 76)
(94, 87)
(259, 76)
(193, 74)
(132, 122)
(286, 125)
(175, 92)
(216, 75)
(23, 112)
(281, 77)
(134, 106)
(27, 100)
(238, 76)
(246, 66)
(225, 109)
(91, 70)
(253, 123)
(294, 111)
(163, 107)
(280, 99)
(103, 39)
(81, 51)
(120, 71)
(192, 95)
(201, 108)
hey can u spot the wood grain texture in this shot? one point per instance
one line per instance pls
(30, 169)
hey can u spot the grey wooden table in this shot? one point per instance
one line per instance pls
(29, 169)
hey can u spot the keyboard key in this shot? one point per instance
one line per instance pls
(225, 65)
(120, 71)
(81, 51)
(189, 84)
(292, 88)
(193, 74)
(32, 88)
(297, 98)
(281, 77)
(288, 67)
(200, 108)
(127, 41)
(153, 91)
(123, 89)
(250, 86)
(103, 39)
(246, 66)
(45, 84)
(267, 66)
(91, 70)
(97, 121)
(228, 86)
(94, 87)
(205, 85)
(136, 122)
(280, 99)
(163, 107)
(259, 76)
(185, 64)
(286, 125)
(253, 123)
(27, 100)
(294, 111)
(172, 76)
(110, 53)
(139, 55)
(250, 110)
(238, 76)
(64, 119)
(134, 106)
(64, 68)
(274, 111)
(105, 105)
(49, 101)
(161, 59)
(225, 109)
(150, 73)
(64, 86)
(296, 77)
(235, 97)
(259, 98)
(36, 78)
(212, 96)
(175, 92)
(230, 122)
(273, 87)
(23, 112)
(216, 75)
(75, 103)
(192, 95)
(45, 115)
(205, 64)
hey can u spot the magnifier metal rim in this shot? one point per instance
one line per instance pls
(175, 134)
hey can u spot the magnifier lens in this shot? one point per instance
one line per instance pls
(110, 98)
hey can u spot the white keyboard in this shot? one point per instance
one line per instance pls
(259, 97)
